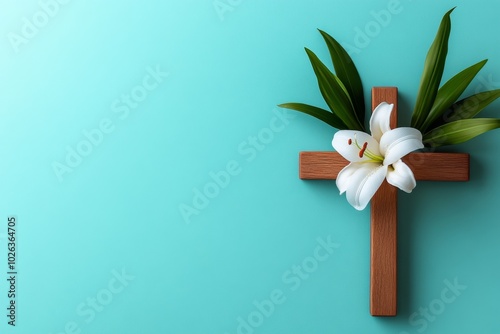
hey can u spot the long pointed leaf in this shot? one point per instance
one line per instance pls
(468, 107)
(321, 114)
(450, 92)
(433, 72)
(460, 131)
(347, 73)
(334, 93)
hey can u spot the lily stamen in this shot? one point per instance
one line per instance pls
(364, 151)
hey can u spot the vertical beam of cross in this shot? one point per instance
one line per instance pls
(384, 230)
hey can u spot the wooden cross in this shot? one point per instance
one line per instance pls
(425, 167)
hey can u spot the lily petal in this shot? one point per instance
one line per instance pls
(398, 142)
(343, 178)
(364, 183)
(380, 122)
(349, 144)
(401, 176)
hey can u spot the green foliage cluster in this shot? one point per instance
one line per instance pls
(438, 114)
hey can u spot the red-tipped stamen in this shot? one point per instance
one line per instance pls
(362, 151)
(349, 141)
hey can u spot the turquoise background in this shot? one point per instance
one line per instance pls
(117, 211)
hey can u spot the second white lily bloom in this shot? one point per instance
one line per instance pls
(376, 157)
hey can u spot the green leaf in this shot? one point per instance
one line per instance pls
(334, 93)
(347, 73)
(321, 114)
(468, 107)
(450, 92)
(433, 72)
(459, 131)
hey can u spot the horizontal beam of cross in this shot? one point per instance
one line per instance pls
(445, 166)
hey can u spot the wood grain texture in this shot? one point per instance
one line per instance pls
(384, 227)
(425, 166)
(383, 251)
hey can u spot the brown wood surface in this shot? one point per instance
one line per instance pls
(384, 230)
(425, 166)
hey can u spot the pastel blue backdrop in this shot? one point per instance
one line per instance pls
(155, 182)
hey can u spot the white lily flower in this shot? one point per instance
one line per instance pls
(376, 157)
